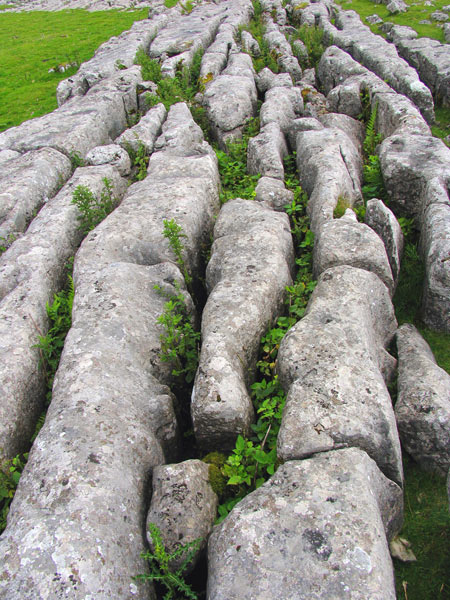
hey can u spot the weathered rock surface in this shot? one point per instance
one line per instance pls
(344, 241)
(432, 61)
(331, 364)
(145, 132)
(330, 167)
(230, 99)
(81, 123)
(83, 495)
(112, 154)
(183, 506)
(26, 183)
(372, 51)
(343, 80)
(382, 220)
(112, 56)
(273, 193)
(303, 535)
(31, 271)
(423, 405)
(278, 44)
(281, 105)
(266, 151)
(246, 287)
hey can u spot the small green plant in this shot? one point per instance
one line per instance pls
(139, 159)
(10, 472)
(170, 3)
(312, 37)
(150, 68)
(173, 233)
(372, 138)
(187, 7)
(76, 160)
(92, 209)
(161, 572)
(5, 243)
(51, 345)
(180, 341)
(236, 182)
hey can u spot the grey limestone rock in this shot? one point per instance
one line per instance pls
(112, 418)
(423, 405)
(401, 32)
(246, 287)
(281, 105)
(431, 59)
(273, 193)
(379, 56)
(81, 123)
(309, 78)
(435, 249)
(330, 167)
(145, 132)
(112, 56)
(249, 44)
(26, 183)
(183, 506)
(111, 154)
(447, 32)
(278, 44)
(299, 50)
(266, 80)
(332, 366)
(383, 221)
(302, 124)
(344, 241)
(303, 534)
(216, 56)
(396, 6)
(352, 127)
(266, 151)
(374, 19)
(231, 98)
(7, 155)
(439, 16)
(31, 271)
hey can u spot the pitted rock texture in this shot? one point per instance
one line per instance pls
(423, 405)
(383, 221)
(183, 506)
(26, 183)
(331, 365)
(112, 154)
(145, 132)
(111, 57)
(31, 271)
(372, 51)
(303, 534)
(330, 167)
(266, 151)
(230, 99)
(88, 472)
(273, 193)
(344, 241)
(246, 287)
(81, 123)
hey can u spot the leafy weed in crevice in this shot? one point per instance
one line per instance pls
(254, 460)
(160, 571)
(92, 209)
(10, 472)
(236, 182)
(312, 37)
(256, 27)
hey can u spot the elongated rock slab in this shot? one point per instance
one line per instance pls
(31, 271)
(26, 183)
(331, 364)
(76, 526)
(83, 122)
(423, 405)
(317, 529)
(246, 284)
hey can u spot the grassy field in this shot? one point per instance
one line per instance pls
(32, 43)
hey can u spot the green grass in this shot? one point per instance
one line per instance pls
(412, 17)
(427, 528)
(32, 43)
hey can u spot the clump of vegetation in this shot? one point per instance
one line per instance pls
(312, 37)
(254, 459)
(139, 159)
(5, 243)
(160, 571)
(266, 57)
(92, 209)
(173, 233)
(10, 472)
(236, 181)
